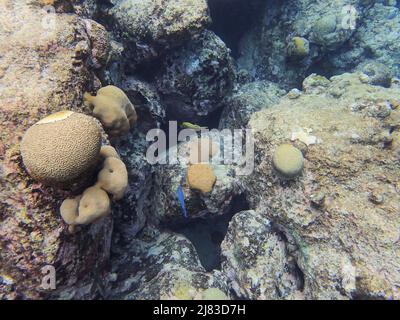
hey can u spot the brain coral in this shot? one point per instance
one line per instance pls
(58, 149)
(288, 161)
(201, 177)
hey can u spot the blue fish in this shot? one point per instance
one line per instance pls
(181, 198)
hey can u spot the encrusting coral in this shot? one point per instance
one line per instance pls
(288, 161)
(213, 294)
(62, 147)
(298, 47)
(113, 108)
(201, 177)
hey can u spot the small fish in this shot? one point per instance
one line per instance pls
(188, 125)
(181, 198)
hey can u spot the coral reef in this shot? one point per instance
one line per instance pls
(162, 265)
(316, 82)
(42, 71)
(62, 147)
(148, 31)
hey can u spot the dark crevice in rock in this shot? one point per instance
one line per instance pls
(207, 234)
(291, 247)
(232, 19)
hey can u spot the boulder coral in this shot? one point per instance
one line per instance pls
(288, 161)
(113, 108)
(201, 177)
(62, 147)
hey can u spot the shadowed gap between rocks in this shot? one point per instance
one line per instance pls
(231, 19)
(207, 234)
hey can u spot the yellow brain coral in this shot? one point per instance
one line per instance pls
(288, 161)
(113, 108)
(62, 147)
(201, 177)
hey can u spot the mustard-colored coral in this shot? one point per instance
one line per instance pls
(113, 178)
(201, 177)
(113, 108)
(108, 151)
(298, 47)
(93, 205)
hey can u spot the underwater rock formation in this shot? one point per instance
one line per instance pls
(196, 78)
(42, 70)
(147, 32)
(165, 206)
(161, 265)
(246, 100)
(341, 35)
(376, 39)
(340, 217)
(257, 261)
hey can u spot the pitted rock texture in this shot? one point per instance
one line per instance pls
(148, 27)
(42, 70)
(196, 78)
(161, 265)
(257, 260)
(342, 213)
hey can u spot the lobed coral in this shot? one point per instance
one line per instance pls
(113, 178)
(94, 203)
(113, 108)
